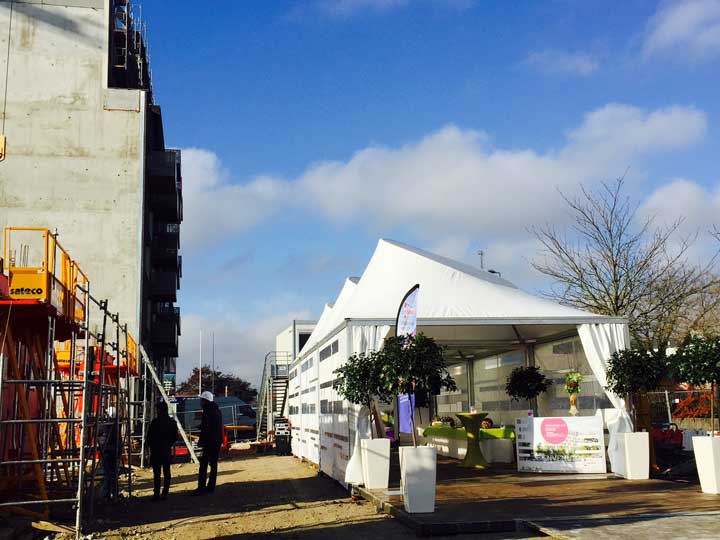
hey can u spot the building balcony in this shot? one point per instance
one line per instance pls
(167, 206)
(164, 284)
(165, 245)
(165, 185)
(165, 329)
(164, 168)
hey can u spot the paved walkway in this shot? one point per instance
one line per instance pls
(589, 506)
(677, 527)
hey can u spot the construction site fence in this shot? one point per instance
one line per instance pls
(683, 409)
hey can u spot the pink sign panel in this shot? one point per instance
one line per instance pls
(554, 430)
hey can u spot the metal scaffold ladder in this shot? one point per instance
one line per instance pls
(166, 399)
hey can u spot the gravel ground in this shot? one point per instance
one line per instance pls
(257, 496)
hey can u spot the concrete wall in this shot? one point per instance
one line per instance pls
(74, 147)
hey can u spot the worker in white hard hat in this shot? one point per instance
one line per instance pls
(211, 438)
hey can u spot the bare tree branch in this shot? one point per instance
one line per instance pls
(613, 266)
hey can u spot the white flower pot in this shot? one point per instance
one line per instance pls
(634, 455)
(418, 467)
(375, 462)
(707, 458)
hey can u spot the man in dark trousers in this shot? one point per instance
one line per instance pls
(211, 437)
(109, 443)
(161, 437)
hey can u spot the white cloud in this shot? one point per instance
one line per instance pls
(558, 62)
(215, 208)
(240, 347)
(697, 206)
(688, 29)
(454, 182)
(347, 7)
(451, 182)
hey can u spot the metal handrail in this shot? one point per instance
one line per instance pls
(272, 359)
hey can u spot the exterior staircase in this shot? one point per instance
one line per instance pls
(273, 391)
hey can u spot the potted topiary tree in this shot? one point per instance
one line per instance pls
(358, 382)
(697, 362)
(632, 373)
(414, 365)
(526, 383)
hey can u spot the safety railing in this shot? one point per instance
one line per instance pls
(38, 268)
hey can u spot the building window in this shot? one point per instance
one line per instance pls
(302, 340)
(489, 378)
(555, 360)
(306, 365)
(449, 403)
(328, 351)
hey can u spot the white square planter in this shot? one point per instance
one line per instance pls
(375, 462)
(634, 453)
(707, 458)
(418, 467)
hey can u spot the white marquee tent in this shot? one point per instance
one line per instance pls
(457, 304)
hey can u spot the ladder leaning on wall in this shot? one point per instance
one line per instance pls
(166, 399)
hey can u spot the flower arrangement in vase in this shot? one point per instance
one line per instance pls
(572, 387)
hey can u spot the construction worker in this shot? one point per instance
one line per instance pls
(211, 437)
(161, 437)
(108, 442)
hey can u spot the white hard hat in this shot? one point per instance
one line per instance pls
(207, 395)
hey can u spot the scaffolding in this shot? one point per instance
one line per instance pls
(76, 389)
(129, 57)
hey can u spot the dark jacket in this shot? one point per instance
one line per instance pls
(107, 437)
(211, 426)
(161, 437)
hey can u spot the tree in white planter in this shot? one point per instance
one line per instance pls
(414, 365)
(632, 373)
(697, 363)
(358, 381)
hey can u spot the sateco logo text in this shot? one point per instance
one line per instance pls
(25, 290)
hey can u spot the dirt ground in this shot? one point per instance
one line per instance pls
(258, 496)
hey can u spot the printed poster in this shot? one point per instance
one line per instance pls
(573, 444)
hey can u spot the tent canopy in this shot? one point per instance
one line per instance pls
(458, 302)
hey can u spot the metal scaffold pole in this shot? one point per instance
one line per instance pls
(84, 416)
(128, 410)
(145, 411)
(56, 387)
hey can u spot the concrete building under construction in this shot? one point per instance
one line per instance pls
(83, 153)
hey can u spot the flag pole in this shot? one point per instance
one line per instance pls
(200, 370)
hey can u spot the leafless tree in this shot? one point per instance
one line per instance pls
(611, 264)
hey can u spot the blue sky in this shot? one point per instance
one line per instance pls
(310, 129)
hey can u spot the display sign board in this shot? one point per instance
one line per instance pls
(573, 444)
